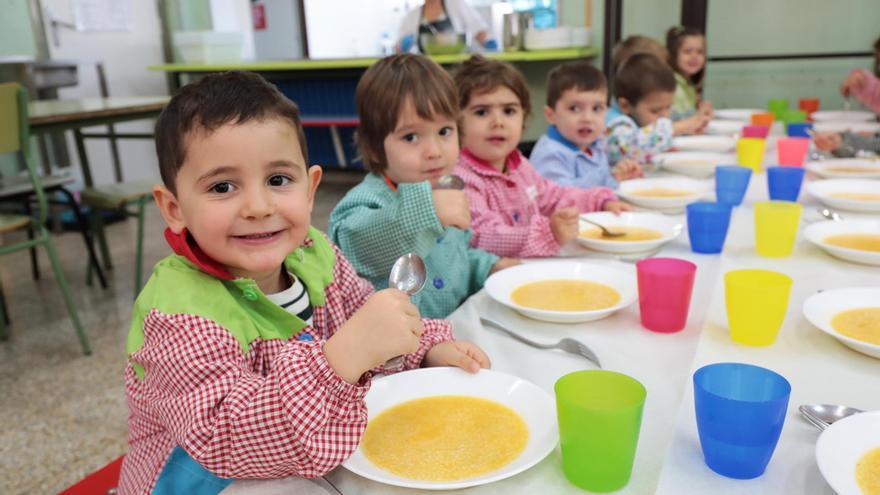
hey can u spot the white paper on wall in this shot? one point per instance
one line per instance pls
(102, 15)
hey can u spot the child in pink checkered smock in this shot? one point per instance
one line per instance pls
(514, 211)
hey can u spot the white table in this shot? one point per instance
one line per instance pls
(669, 459)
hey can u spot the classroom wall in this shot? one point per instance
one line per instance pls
(16, 36)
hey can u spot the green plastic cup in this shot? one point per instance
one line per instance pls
(778, 106)
(600, 414)
(794, 116)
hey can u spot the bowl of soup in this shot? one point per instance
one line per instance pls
(644, 232)
(845, 168)
(724, 127)
(847, 126)
(664, 194)
(851, 240)
(848, 454)
(847, 194)
(851, 316)
(563, 291)
(704, 143)
(699, 164)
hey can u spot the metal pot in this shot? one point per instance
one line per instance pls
(513, 29)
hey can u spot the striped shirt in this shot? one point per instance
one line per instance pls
(294, 299)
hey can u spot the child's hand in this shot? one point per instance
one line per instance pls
(705, 109)
(617, 207)
(695, 124)
(627, 169)
(855, 81)
(503, 263)
(564, 224)
(387, 325)
(452, 208)
(828, 141)
(465, 355)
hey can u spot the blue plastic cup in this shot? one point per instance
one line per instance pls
(740, 412)
(707, 226)
(731, 183)
(784, 183)
(799, 129)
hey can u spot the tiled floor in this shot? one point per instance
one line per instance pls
(63, 414)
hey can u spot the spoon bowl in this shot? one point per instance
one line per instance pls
(830, 214)
(408, 275)
(823, 415)
(605, 231)
(450, 181)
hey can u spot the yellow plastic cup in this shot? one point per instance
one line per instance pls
(750, 152)
(776, 226)
(756, 304)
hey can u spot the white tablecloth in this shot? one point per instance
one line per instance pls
(669, 459)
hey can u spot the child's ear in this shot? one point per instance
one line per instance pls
(170, 208)
(315, 173)
(549, 114)
(623, 104)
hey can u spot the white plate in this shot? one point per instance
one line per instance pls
(699, 190)
(843, 116)
(501, 284)
(841, 446)
(825, 168)
(840, 126)
(704, 143)
(739, 114)
(820, 308)
(670, 228)
(724, 127)
(817, 232)
(699, 164)
(823, 190)
(536, 407)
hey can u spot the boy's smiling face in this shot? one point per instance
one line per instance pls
(245, 195)
(579, 115)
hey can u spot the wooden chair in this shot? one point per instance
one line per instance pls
(14, 133)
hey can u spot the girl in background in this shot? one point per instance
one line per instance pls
(687, 56)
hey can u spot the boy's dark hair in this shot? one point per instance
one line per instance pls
(384, 89)
(877, 57)
(581, 76)
(481, 75)
(637, 44)
(213, 101)
(674, 38)
(640, 75)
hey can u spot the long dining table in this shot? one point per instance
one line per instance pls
(668, 459)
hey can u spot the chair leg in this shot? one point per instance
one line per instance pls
(4, 316)
(65, 291)
(87, 238)
(98, 230)
(35, 266)
(139, 253)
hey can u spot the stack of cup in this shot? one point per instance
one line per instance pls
(740, 410)
(776, 226)
(600, 415)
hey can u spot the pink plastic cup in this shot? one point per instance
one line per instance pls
(756, 131)
(665, 286)
(791, 151)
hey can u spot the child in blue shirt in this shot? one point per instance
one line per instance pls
(572, 153)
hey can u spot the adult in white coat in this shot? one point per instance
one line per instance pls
(443, 16)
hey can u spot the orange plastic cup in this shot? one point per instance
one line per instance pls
(763, 118)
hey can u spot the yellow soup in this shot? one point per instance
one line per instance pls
(565, 295)
(850, 169)
(868, 472)
(445, 438)
(662, 192)
(863, 242)
(860, 324)
(859, 196)
(629, 233)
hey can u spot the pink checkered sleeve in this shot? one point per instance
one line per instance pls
(353, 291)
(299, 419)
(869, 93)
(552, 196)
(492, 233)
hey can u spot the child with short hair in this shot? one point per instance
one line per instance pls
(515, 211)
(864, 84)
(687, 57)
(638, 124)
(251, 348)
(408, 139)
(572, 153)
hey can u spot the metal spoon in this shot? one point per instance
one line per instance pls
(605, 231)
(450, 181)
(408, 275)
(823, 415)
(568, 345)
(830, 214)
